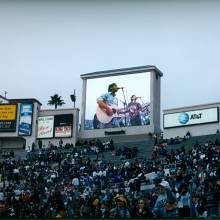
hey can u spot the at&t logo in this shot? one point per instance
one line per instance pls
(183, 118)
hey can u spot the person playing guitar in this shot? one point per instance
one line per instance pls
(106, 115)
(134, 110)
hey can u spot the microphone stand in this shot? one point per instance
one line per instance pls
(125, 105)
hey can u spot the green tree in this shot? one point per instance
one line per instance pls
(56, 100)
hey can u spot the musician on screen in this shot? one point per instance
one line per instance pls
(134, 109)
(106, 114)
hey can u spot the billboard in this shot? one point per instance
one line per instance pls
(63, 125)
(45, 127)
(8, 115)
(25, 121)
(118, 101)
(194, 117)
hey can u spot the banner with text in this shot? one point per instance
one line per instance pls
(45, 127)
(63, 125)
(194, 117)
(8, 115)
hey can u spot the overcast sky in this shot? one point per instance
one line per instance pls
(46, 45)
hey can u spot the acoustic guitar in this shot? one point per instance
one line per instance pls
(104, 118)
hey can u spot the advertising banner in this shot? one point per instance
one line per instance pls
(63, 131)
(63, 125)
(45, 127)
(194, 117)
(25, 122)
(8, 115)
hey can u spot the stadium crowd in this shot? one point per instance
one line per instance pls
(67, 184)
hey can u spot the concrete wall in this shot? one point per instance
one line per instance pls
(156, 101)
(12, 143)
(195, 130)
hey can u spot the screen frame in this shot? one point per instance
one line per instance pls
(132, 131)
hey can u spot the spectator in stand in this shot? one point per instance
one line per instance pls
(61, 143)
(111, 146)
(143, 209)
(3, 211)
(121, 210)
(188, 135)
(33, 147)
(212, 192)
(155, 138)
(165, 205)
(40, 144)
(183, 198)
(41, 187)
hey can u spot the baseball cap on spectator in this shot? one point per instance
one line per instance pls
(164, 184)
(122, 199)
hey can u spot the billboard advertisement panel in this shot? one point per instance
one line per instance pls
(118, 101)
(8, 115)
(25, 121)
(194, 117)
(45, 127)
(63, 125)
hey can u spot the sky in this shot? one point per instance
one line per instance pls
(45, 45)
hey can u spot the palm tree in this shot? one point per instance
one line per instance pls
(56, 101)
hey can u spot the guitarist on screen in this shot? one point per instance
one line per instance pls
(106, 115)
(134, 111)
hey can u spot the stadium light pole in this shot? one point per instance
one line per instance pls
(73, 98)
(6, 94)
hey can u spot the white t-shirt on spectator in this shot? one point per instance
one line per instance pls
(1, 196)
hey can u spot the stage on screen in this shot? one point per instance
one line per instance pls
(128, 96)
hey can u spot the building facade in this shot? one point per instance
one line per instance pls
(20, 121)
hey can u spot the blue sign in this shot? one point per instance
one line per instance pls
(183, 118)
(25, 123)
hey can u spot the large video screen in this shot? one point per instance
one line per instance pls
(63, 125)
(203, 116)
(25, 122)
(45, 127)
(118, 101)
(8, 115)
